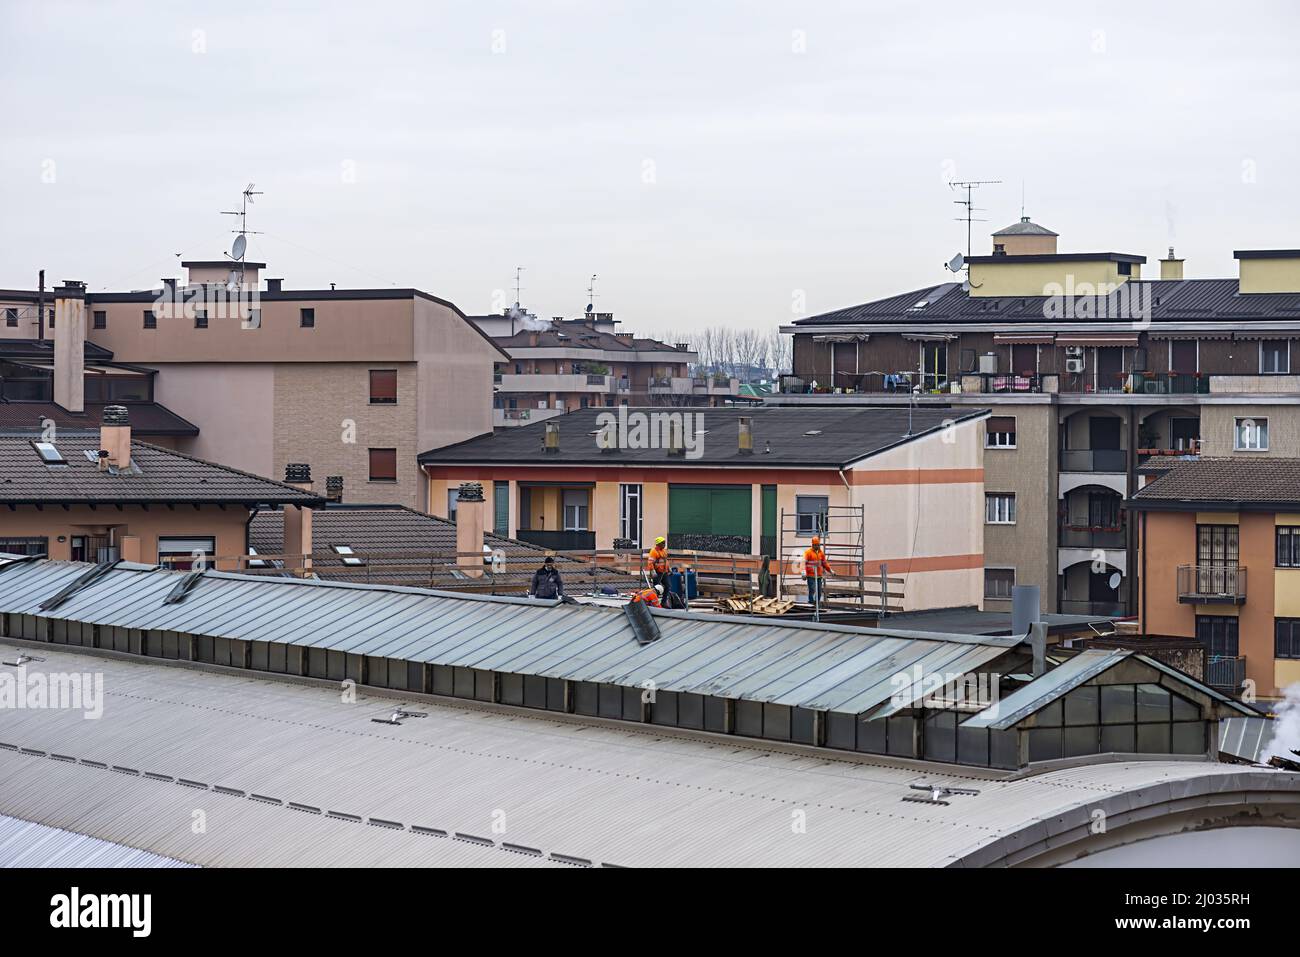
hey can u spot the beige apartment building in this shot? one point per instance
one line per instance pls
(1092, 374)
(354, 383)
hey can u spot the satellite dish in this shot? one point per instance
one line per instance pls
(965, 286)
(241, 244)
(955, 264)
(1114, 580)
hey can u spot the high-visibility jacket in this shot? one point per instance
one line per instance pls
(657, 560)
(814, 563)
(649, 596)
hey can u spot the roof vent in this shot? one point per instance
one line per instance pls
(295, 473)
(470, 492)
(334, 488)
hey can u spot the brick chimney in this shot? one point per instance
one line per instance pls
(334, 488)
(469, 528)
(297, 520)
(115, 438)
(70, 345)
(746, 435)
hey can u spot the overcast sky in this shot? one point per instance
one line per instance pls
(710, 162)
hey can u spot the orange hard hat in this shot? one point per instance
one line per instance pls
(817, 540)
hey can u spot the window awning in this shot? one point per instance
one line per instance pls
(1098, 339)
(1024, 338)
(842, 337)
(930, 336)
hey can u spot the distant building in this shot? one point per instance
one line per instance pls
(562, 365)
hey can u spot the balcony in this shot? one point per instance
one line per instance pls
(1092, 536)
(693, 385)
(506, 418)
(1212, 584)
(1168, 383)
(558, 541)
(554, 382)
(1094, 460)
(1102, 609)
(866, 383)
(1224, 672)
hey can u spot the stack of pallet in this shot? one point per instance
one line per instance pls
(754, 606)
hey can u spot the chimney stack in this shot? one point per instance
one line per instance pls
(334, 488)
(1171, 268)
(469, 528)
(297, 520)
(70, 345)
(675, 444)
(551, 439)
(115, 438)
(274, 285)
(746, 435)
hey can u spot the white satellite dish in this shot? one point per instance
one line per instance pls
(956, 263)
(241, 244)
(1114, 580)
(965, 286)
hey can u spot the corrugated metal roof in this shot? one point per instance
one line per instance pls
(647, 797)
(1245, 738)
(822, 667)
(1029, 698)
(25, 844)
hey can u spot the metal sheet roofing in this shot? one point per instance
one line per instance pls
(822, 667)
(269, 759)
(25, 844)
(1040, 692)
(1245, 738)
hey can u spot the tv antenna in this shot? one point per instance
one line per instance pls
(970, 186)
(591, 294)
(519, 271)
(240, 245)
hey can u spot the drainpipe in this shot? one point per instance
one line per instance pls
(1130, 529)
(248, 528)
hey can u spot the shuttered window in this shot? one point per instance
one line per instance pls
(383, 465)
(383, 386)
(1000, 432)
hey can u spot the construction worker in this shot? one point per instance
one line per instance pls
(650, 596)
(815, 568)
(656, 563)
(547, 582)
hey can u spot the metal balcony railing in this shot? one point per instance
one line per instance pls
(1225, 672)
(1093, 460)
(1092, 536)
(1105, 609)
(1212, 584)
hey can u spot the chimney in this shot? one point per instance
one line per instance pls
(746, 435)
(297, 520)
(551, 440)
(1171, 268)
(675, 444)
(70, 345)
(334, 488)
(469, 528)
(115, 438)
(273, 285)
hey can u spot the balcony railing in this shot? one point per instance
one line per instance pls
(1094, 460)
(1212, 584)
(1103, 609)
(1092, 536)
(1224, 672)
(871, 383)
(558, 540)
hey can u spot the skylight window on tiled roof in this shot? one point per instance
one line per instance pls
(348, 555)
(49, 454)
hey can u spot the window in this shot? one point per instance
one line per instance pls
(186, 553)
(1217, 546)
(998, 582)
(383, 465)
(1000, 508)
(1287, 635)
(11, 317)
(383, 386)
(1218, 633)
(811, 511)
(307, 318)
(575, 509)
(49, 454)
(200, 318)
(150, 319)
(1000, 432)
(50, 316)
(1250, 435)
(25, 546)
(348, 556)
(1125, 269)
(1274, 356)
(100, 319)
(1288, 546)
(1184, 355)
(501, 508)
(629, 513)
(453, 496)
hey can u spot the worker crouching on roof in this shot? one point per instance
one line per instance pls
(815, 569)
(656, 563)
(547, 582)
(650, 596)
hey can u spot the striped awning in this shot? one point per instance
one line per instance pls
(1098, 339)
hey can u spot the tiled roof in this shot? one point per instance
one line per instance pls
(1247, 481)
(1172, 300)
(1025, 228)
(147, 418)
(157, 475)
(578, 335)
(817, 437)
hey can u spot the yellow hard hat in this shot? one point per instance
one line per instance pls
(660, 540)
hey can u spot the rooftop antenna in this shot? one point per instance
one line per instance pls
(1022, 199)
(591, 294)
(969, 202)
(519, 272)
(240, 246)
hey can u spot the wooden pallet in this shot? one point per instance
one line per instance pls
(754, 606)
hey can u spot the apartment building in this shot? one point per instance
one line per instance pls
(561, 365)
(882, 486)
(1220, 557)
(354, 383)
(1090, 371)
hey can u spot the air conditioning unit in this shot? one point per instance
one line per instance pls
(989, 363)
(1074, 352)
(1073, 365)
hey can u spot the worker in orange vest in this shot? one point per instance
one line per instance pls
(650, 596)
(656, 563)
(815, 567)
